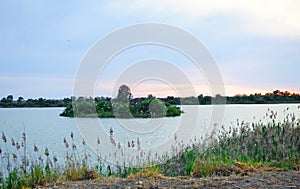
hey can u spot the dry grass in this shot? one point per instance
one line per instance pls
(150, 172)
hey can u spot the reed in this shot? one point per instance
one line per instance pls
(240, 149)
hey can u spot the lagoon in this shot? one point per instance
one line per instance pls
(45, 128)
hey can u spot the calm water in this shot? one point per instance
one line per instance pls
(44, 127)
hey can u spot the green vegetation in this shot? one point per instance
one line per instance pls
(275, 97)
(103, 108)
(9, 102)
(239, 150)
(123, 106)
(20, 168)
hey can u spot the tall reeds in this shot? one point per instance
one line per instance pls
(253, 145)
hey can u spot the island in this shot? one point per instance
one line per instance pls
(123, 106)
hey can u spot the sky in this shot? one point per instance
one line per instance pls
(255, 44)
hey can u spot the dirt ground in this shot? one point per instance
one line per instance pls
(259, 179)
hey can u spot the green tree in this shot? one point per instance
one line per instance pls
(41, 101)
(121, 110)
(3, 100)
(10, 98)
(84, 108)
(20, 99)
(157, 108)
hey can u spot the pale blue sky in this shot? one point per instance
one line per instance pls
(255, 44)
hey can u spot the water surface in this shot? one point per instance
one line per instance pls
(44, 127)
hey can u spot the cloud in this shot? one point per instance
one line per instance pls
(269, 17)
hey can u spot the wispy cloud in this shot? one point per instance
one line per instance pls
(269, 17)
(255, 43)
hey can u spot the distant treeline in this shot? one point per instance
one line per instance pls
(10, 102)
(275, 97)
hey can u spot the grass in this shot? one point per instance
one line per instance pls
(237, 150)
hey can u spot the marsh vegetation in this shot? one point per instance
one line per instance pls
(237, 150)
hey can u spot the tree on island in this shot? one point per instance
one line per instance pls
(120, 104)
(124, 93)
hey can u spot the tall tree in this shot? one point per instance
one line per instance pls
(10, 98)
(124, 93)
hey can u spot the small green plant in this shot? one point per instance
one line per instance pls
(124, 171)
(13, 180)
(35, 177)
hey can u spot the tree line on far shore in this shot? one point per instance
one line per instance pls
(10, 102)
(275, 97)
